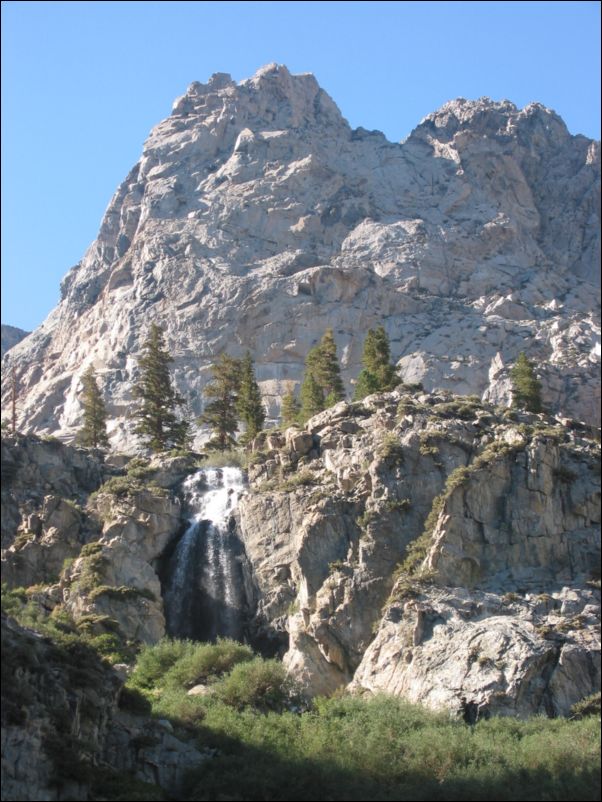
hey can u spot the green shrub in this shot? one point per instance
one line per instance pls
(122, 593)
(91, 568)
(22, 539)
(390, 448)
(109, 646)
(303, 478)
(463, 409)
(120, 486)
(96, 624)
(13, 599)
(405, 407)
(183, 710)
(456, 478)
(428, 450)
(140, 473)
(365, 519)
(590, 706)
(224, 459)
(137, 462)
(260, 684)
(204, 660)
(156, 660)
(127, 486)
(90, 549)
(398, 504)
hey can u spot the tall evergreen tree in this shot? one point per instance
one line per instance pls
(290, 409)
(377, 374)
(221, 411)
(526, 388)
(323, 364)
(249, 405)
(365, 384)
(157, 423)
(93, 433)
(312, 397)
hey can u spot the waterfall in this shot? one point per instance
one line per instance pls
(204, 595)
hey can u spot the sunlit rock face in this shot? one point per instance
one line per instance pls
(256, 217)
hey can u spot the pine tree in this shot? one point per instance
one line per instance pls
(312, 397)
(157, 423)
(249, 406)
(366, 384)
(322, 385)
(290, 409)
(378, 374)
(526, 388)
(93, 433)
(323, 363)
(221, 412)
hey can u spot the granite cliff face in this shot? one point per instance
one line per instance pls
(423, 544)
(256, 217)
(430, 547)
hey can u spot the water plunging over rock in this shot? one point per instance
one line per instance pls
(204, 595)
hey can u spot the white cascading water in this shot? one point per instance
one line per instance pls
(204, 596)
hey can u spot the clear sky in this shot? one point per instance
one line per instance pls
(83, 83)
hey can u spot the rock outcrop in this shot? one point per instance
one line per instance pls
(430, 546)
(33, 468)
(117, 575)
(67, 732)
(93, 538)
(11, 335)
(256, 217)
(45, 487)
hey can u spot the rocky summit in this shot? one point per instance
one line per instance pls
(256, 217)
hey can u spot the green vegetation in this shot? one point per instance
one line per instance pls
(312, 397)
(139, 468)
(302, 478)
(121, 593)
(409, 570)
(221, 411)
(262, 685)
(127, 486)
(290, 409)
(157, 423)
(269, 741)
(90, 636)
(93, 433)
(377, 374)
(91, 567)
(526, 388)
(322, 384)
(462, 408)
(365, 519)
(249, 406)
(172, 663)
(398, 504)
(222, 459)
(275, 746)
(390, 448)
(590, 706)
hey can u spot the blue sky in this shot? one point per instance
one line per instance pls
(83, 83)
